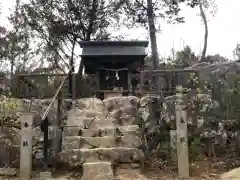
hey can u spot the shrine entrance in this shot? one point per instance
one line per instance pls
(114, 63)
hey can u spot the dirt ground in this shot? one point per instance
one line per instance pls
(200, 170)
(226, 169)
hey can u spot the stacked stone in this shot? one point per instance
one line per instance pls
(100, 134)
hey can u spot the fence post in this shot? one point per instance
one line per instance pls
(57, 128)
(182, 137)
(26, 146)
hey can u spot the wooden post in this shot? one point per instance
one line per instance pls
(58, 132)
(26, 146)
(74, 90)
(182, 138)
(129, 82)
(44, 128)
(141, 82)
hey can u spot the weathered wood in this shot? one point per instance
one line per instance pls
(38, 74)
(58, 133)
(74, 90)
(130, 82)
(26, 146)
(171, 70)
(55, 96)
(44, 128)
(141, 82)
(182, 138)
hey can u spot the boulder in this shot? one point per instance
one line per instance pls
(76, 157)
(78, 142)
(113, 103)
(231, 175)
(90, 103)
(122, 110)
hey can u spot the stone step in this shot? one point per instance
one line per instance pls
(97, 171)
(76, 157)
(73, 129)
(111, 131)
(77, 142)
(101, 131)
(91, 123)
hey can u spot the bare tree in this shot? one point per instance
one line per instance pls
(203, 6)
(204, 18)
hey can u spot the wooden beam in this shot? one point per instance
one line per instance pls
(171, 70)
(37, 74)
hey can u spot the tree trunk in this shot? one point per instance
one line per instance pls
(206, 30)
(152, 32)
(71, 66)
(92, 18)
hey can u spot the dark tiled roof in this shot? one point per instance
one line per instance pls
(114, 43)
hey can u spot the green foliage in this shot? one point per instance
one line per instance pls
(9, 111)
(9, 114)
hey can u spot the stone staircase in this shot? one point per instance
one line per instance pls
(100, 136)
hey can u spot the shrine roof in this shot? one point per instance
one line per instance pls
(113, 48)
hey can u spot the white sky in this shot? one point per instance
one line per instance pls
(224, 31)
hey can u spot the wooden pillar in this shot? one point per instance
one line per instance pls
(26, 146)
(141, 82)
(45, 124)
(182, 137)
(129, 82)
(57, 128)
(97, 93)
(74, 90)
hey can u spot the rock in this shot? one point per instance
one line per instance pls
(111, 131)
(123, 116)
(130, 166)
(145, 100)
(97, 171)
(76, 157)
(113, 103)
(91, 123)
(90, 103)
(90, 113)
(231, 175)
(71, 142)
(77, 142)
(45, 175)
(8, 171)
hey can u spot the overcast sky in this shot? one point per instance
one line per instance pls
(224, 30)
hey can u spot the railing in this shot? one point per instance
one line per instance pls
(55, 96)
(45, 122)
(40, 86)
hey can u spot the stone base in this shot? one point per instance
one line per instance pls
(90, 123)
(8, 171)
(102, 131)
(78, 142)
(111, 131)
(45, 175)
(76, 157)
(97, 171)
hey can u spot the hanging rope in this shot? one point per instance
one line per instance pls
(122, 69)
(114, 70)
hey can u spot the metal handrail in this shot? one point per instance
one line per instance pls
(55, 96)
